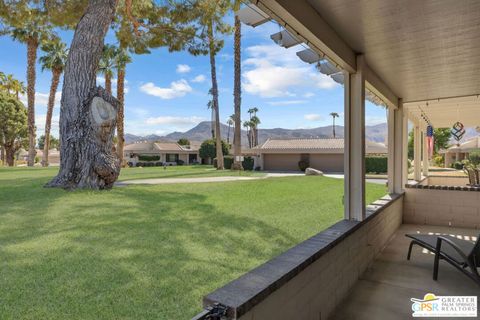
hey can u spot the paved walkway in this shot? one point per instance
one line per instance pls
(185, 180)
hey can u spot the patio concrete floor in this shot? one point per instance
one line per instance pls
(385, 289)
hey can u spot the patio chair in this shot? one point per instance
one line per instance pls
(462, 254)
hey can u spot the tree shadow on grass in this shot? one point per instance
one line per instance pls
(130, 253)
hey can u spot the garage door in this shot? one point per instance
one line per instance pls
(281, 162)
(327, 162)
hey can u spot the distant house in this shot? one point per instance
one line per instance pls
(460, 152)
(169, 153)
(322, 154)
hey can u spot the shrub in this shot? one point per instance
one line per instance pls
(438, 160)
(457, 165)
(303, 165)
(248, 163)
(148, 158)
(130, 164)
(180, 162)
(377, 164)
(474, 157)
(227, 162)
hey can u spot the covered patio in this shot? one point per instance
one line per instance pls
(420, 60)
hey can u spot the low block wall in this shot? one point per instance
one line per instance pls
(311, 279)
(445, 181)
(438, 207)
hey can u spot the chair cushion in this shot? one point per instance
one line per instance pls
(429, 242)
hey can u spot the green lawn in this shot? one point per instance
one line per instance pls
(196, 171)
(146, 252)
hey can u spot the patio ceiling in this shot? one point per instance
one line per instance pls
(444, 113)
(421, 49)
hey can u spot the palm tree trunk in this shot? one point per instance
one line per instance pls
(237, 94)
(334, 127)
(108, 83)
(215, 106)
(32, 45)
(87, 114)
(121, 113)
(48, 123)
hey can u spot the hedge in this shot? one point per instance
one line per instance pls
(248, 163)
(148, 158)
(376, 164)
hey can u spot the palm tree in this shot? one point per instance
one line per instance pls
(33, 32)
(230, 123)
(255, 121)
(247, 125)
(122, 58)
(12, 85)
(54, 59)
(334, 115)
(107, 64)
(237, 89)
(211, 14)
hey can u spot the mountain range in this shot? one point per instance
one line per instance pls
(203, 131)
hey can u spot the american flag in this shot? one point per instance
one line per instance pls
(429, 141)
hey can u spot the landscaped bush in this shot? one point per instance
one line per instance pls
(474, 157)
(248, 163)
(180, 162)
(148, 158)
(303, 165)
(457, 165)
(438, 160)
(376, 164)
(228, 162)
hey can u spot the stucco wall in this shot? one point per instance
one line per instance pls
(281, 162)
(316, 291)
(445, 181)
(442, 207)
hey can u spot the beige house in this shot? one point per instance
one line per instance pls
(321, 154)
(169, 153)
(460, 152)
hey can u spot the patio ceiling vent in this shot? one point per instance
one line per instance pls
(252, 16)
(285, 39)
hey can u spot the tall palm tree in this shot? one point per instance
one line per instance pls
(54, 59)
(230, 123)
(248, 125)
(211, 17)
(237, 89)
(255, 121)
(122, 58)
(32, 32)
(334, 115)
(107, 65)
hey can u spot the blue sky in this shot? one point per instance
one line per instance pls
(167, 92)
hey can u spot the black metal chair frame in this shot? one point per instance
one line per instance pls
(470, 259)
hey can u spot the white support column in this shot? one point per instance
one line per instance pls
(425, 153)
(417, 152)
(354, 155)
(391, 149)
(404, 144)
(398, 163)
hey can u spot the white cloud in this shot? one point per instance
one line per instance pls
(309, 95)
(286, 102)
(173, 121)
(312, 117)
(199, 79)
(40, 120)
(177, 89)
(41, 99)
(101, 82)
(272, 71)
(183, 68)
